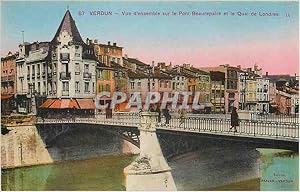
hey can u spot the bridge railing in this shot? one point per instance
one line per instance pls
(246, 127)
(219, 125)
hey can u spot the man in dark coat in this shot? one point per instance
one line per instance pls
(159, 113)
(234, 119)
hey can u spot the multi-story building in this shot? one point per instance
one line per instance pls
(262, 94)
(248, 90)
(283, 101)
(32, 63)
(217, 91)
(105, 81)
(231, 84)
(61, 69)
(272, 97)
(107, 52)
(8, 83)
(8, 74)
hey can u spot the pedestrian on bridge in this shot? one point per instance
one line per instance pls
(234, 119)
(159, 113)
(167, 115)
(182, 117)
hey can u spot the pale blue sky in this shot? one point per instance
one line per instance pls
(40, 21)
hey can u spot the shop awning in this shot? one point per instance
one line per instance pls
(6, 96)
(73, 104)
(47, 103)
(60, 104)
(56, 104)
(86, 103)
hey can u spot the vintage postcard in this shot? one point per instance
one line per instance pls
(149, 96)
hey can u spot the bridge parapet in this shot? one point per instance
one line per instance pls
(277, 130)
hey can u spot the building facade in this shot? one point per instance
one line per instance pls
(232, 91)
(8, 83)
(217, 91)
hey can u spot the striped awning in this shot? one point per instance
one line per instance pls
(86, 103)
(47, 103)
(60, 104)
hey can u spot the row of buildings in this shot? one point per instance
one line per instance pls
(67, 72)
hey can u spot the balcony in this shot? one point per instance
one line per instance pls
(44, 74)
(28, 77)
(87, 75)
(38, 75)
(65, 76)
(49, 75)
(7, 78)
(33, 76)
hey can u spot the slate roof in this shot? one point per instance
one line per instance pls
(136, 61)
(68, 24)
(137, 74)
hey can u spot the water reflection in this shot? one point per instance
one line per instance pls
(207, 169)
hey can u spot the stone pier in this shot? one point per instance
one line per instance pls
(149, 171)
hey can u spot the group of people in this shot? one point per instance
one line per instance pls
(166, 113)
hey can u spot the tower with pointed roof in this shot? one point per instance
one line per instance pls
(73, 63)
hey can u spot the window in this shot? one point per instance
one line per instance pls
(33, 70)
(86, 68)
(38, 68)
(39, 87)
(44, 85)
(132, 85)
(44, 67)
(77, 67)
(76, 47)
(65, 86)
(93, 87)
(86, 87)
(107, 87)
(77, 86)
(139, 84)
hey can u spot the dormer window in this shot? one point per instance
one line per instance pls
(76, 47)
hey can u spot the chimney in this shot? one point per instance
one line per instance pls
(96, 41)
(255, 67)
(115, 44)
(87, 41)
(170, 63)
(90, 42)
(152, 63)
(126, 56)
(239, 66)
(267, 74)
(108, 42)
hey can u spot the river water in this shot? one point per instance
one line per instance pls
(201, 170)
